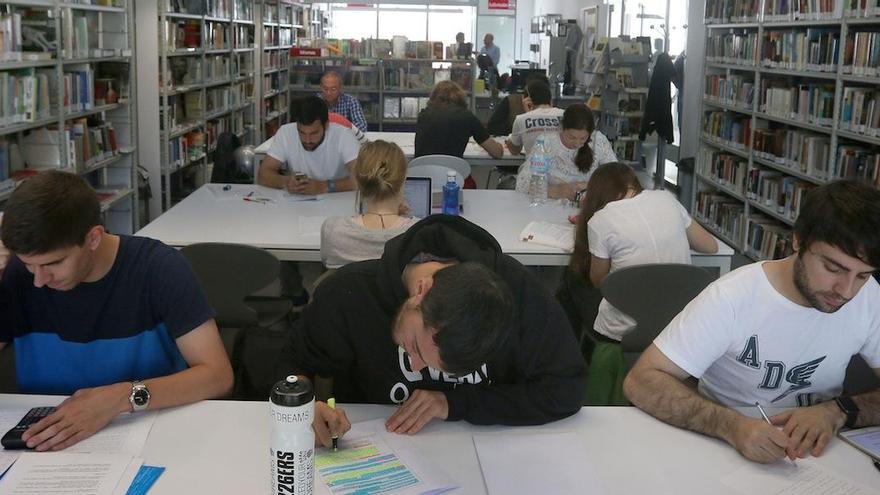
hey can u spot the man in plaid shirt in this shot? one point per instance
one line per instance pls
(338, 102)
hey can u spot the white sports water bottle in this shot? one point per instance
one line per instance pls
(292, 407)
(539, 167)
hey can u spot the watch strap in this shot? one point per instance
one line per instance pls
(849, 408)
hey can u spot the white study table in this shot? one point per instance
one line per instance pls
(291, 229)
(473, 153)
(222, 447)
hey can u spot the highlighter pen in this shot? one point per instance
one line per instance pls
(764, 415)
(335, 439)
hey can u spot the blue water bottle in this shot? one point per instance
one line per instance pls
(450, 194)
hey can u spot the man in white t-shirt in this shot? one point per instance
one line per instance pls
(779, 334)
(541, 118)
(316, 157)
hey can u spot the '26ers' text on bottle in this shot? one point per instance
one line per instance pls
(292, 450)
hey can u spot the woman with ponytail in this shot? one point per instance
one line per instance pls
(575, 151)
(380, 172)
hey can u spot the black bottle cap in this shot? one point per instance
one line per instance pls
(293, 391)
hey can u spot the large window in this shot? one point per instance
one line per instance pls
(416, 22)
(403, 20)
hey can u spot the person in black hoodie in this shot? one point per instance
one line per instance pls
(444, 324)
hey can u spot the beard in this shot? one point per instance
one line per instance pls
(802, 283)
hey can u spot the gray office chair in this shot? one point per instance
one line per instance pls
(652, 295)
(229, 274)
(435, 167)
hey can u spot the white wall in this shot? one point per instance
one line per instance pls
(524, 12)
(570, 9)
(693, 80)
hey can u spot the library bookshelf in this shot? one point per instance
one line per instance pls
(67, 99)
(790, 101)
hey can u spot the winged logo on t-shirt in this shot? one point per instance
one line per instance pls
(799, 377)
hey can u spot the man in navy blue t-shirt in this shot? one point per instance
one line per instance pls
(117, 321)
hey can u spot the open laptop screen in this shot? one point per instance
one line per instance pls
(417, 191)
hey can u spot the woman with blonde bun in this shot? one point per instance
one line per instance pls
(380, 171)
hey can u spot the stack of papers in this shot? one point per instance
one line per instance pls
(108, 462)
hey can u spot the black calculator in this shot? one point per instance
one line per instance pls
(12, 439)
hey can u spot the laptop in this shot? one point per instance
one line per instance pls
(417, 191)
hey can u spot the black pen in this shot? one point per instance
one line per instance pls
(877, 465)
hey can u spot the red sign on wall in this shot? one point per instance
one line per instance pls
(502, 4)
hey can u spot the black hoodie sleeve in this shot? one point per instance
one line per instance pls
(540, 374)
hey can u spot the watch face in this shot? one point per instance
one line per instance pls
(141, 397)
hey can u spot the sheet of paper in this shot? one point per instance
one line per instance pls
(365, 463)
(65, 474)
(300, 197)
(128, 476)
(7, 458)
(126, 434)
(783, 478)
(552, 462)
(550, 234)
(310, 225)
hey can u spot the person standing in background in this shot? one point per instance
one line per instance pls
(489, 48)
(338, 102)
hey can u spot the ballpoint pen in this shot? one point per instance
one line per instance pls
(764, 415)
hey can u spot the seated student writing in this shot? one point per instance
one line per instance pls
(622, 225)
(118, 322)
(380, 172)
(444, 325)
(778, 333)
(575, 151)
(310, 156)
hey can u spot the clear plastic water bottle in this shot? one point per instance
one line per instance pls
(539, 168)
(292, 450)
(450, 194)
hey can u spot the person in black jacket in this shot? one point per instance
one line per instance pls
(445, 325)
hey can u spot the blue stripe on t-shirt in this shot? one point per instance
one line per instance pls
(46, 364)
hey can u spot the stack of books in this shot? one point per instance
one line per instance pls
(860, 111)
(861, 56)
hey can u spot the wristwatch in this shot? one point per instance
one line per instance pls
(331, 185)
(849, 407)
(140, 396)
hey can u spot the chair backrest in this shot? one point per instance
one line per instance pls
(228, 273)
(652, 295)
(460, 165)
(437, 175)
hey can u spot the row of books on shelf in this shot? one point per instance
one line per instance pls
(813, 103)
(813, 49)
(274, 82)
(224, 9)
(424, 77)
(861, 55)
(277, 104)
(860, 111)
(88, 141)
(216, 67)
(802, 151)
(271, 14)
(782, 194)
(185, 149)
(723, 212)
(720, 11)
(92, 141)
(768, 239)
(861, 8)
(857, 162)
(723, 168)
(792, 10)
(733, 90)
(723, 11)
(26, 95)
(733, 48)
(275, 59)
(243, 35)
(181, 34)
(798, 151)
(728, 128)
(216, 36)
